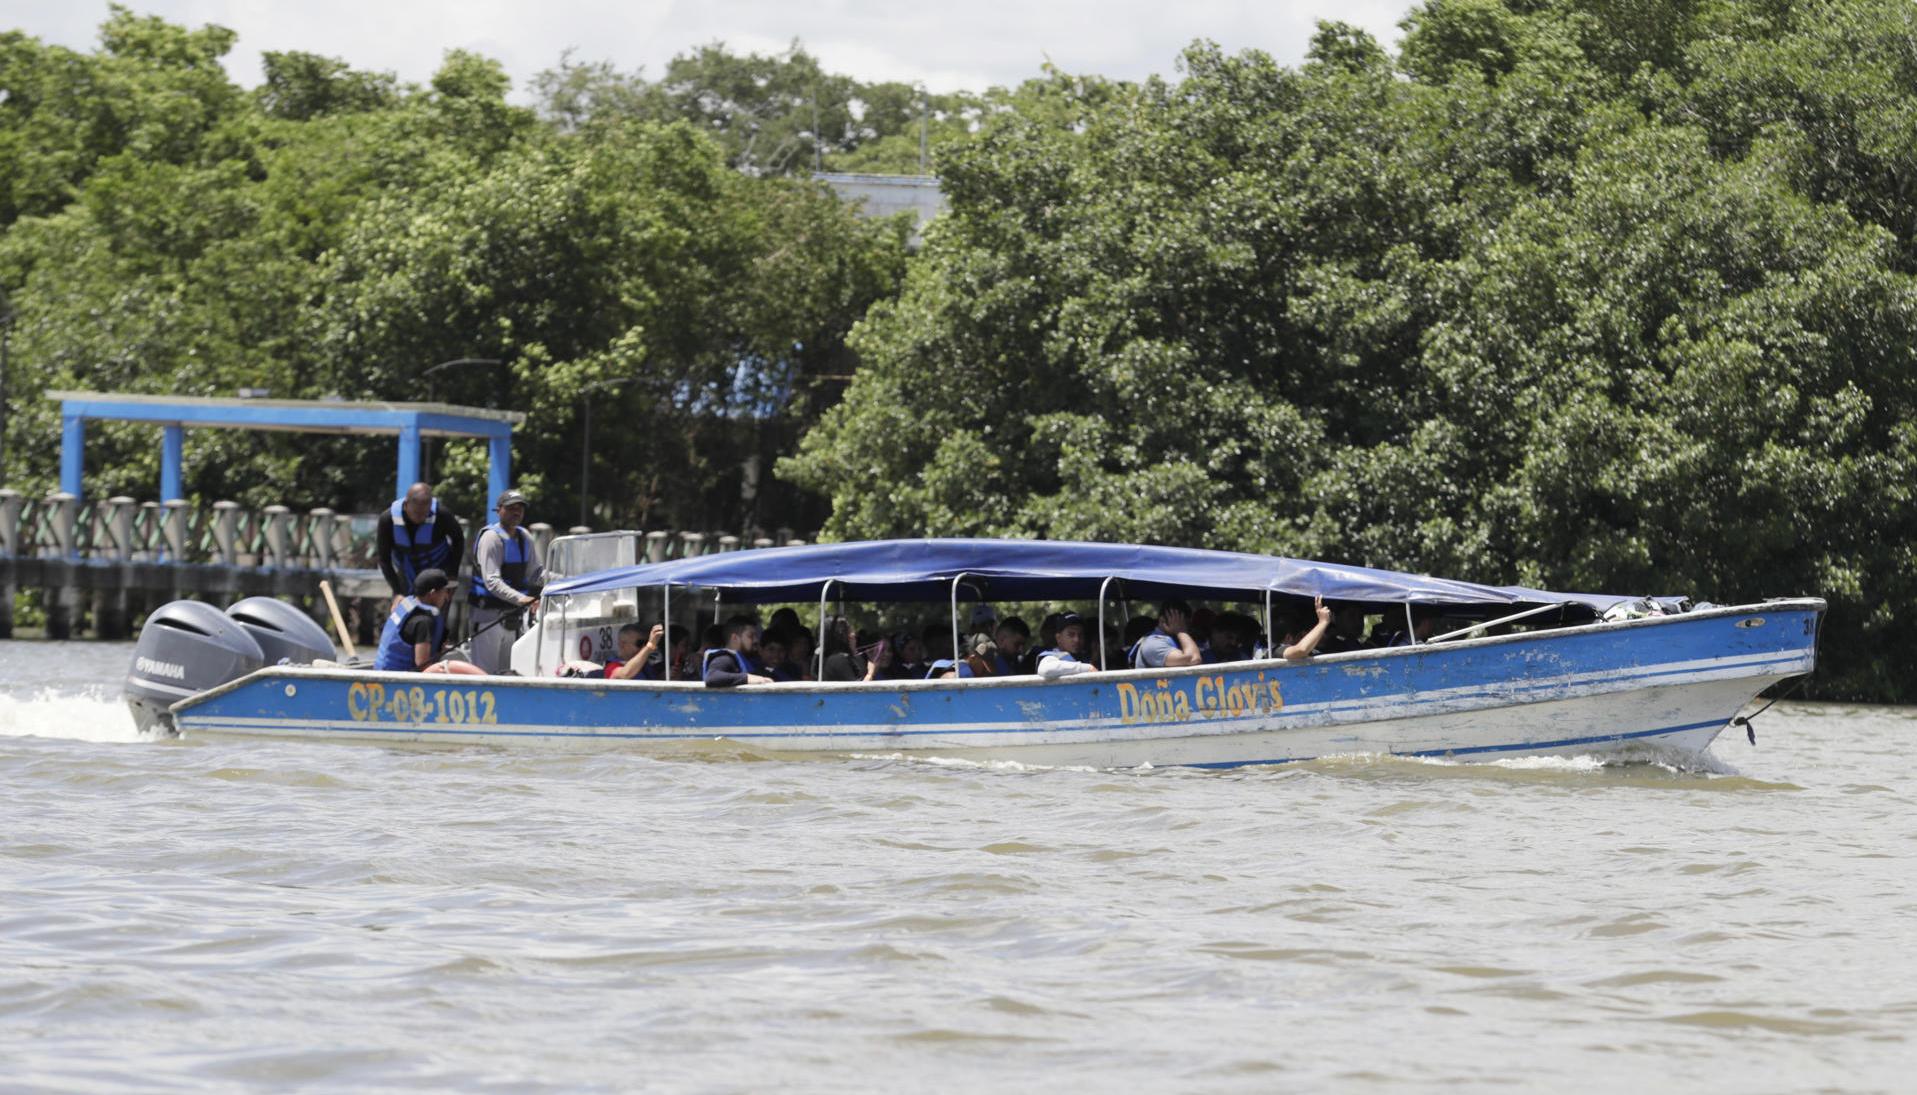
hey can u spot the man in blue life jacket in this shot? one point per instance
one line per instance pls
(415, 534)
(1069, 643)
(415, 630)
(506, 580)
(731, 665)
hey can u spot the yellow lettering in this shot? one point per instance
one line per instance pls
(1206, 692)
(1181, 707)
(1277, 698)
(486, 702)
(1127, 703)
(356, 702)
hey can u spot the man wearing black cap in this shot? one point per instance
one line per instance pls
(416, 629)
(507, 578)
(1062, 659)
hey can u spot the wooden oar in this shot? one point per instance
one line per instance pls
(339, 621)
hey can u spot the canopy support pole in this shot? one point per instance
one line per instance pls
(820, 652)
(666, 611)
(956, 579)
(1494, 623)
(715, 606)
(1102, 586)
(1410, 625)
(1271, 637)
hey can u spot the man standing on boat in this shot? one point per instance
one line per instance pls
(415, 535)
(1169, 645)
(731, 665)
(507, 578)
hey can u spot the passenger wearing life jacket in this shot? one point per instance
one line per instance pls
(505, 584)
(416, 628)
(415, 534)
(730, 666)
(1062, 659)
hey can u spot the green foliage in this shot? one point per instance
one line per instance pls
(334, 233)
(1584, 293)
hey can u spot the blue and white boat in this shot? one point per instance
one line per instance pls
(1528, 672)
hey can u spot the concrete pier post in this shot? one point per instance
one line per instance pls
(542, 537)
(691, 544)
(63, 518)
(655, 547)
(117, 512)
(275, 538)
(728, 542)
(147, 543)
(11, 503)
(762, 542)
(319, 529)
(226, 519)
(174, 515)
(60, 596)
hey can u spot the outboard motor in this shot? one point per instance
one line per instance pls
(286, 635)
(185, 648)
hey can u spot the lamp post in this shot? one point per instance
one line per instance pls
(585, 439)
(426, 458)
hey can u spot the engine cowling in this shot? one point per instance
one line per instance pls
(185, 648)
(286, 635)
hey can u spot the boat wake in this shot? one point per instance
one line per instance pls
(94, 715)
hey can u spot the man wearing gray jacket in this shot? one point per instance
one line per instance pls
(506, 579)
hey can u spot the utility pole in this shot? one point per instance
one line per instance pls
(924, 109)
(426, 458)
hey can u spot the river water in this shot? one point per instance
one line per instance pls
(208, 915)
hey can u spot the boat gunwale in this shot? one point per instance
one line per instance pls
(1348, 657)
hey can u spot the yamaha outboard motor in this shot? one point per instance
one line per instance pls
(185, 648)
(286, 635)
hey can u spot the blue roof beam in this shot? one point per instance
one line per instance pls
(409, 423)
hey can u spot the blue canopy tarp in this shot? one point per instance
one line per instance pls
(1032, 570)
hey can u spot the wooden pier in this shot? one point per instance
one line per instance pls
(101, 567)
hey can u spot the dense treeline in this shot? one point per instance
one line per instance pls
(1580, 293)
(335, 233)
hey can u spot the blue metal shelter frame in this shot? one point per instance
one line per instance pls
(409, 422)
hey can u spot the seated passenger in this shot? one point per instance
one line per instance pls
(911, 662)
(981, 657)
(646, 663)
(799, 654)
(1303, 633)
(843, 660)
(1424, 624)
(414, 637)
(1012, 637)
(1063, 660)
(632, 652)
(773, 657)
(1231, 635)
(1169, 645)
(731, 665)
(1347, 629)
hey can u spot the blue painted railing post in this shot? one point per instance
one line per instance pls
(408, 458)
(172, 450)
(73, 444)
(499, 475)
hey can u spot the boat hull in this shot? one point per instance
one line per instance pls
(1669, 682)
